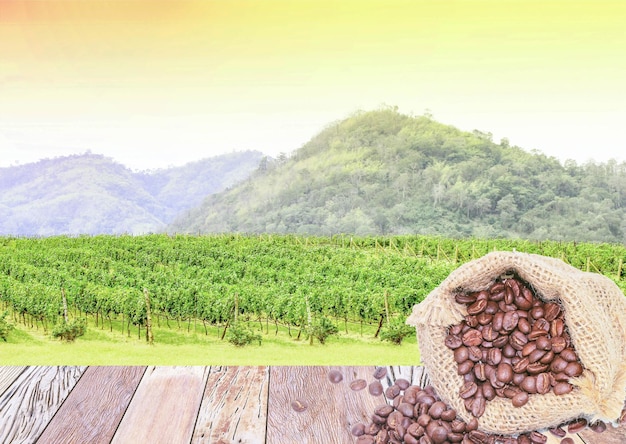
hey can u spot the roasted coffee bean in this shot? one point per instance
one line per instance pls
(504, 372)
(468, 390)
(567, 441)
(598, 426)
(436, 409)
(478, 437)
(538, 438)
(472, 337)
(383, 410)
(409, 439)
(489, 334)
(479, 371)
(471, 321)
(500, 341)
(536, 355)
(299, 405)
(529, 348)
(406, 409)
(477, 307)
(543, 343)
(488, 391)
(448, 415)
(414, 429)
(542, 383)
(402, 383)
(573, 369)
(521, 365)
(358, 384)
(536, 312)
(424, 419)
(551, 311)
(335, 376)
(561, 388)
(559, 343)
(497, 321)
(358, 429)
(559, 432)
(536, 367)
(529, 384)
(375, 388)
(510, 320)
(380, 372)
(484, 318)
(577, 425)
(475, 353)
(518, 340)
(547, 358)
(519, 399)
(465, 368)
(377, 419)
(478, 406)
(523, 325)
(392, 391)
(465, 298)
(366, 439)
(461, 354)
(569, 355)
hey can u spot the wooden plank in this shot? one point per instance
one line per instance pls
(332, 409)
(35, 396)
(165, 406)
(612, 435)
(8, 375)
(94, 408)
(234, 407)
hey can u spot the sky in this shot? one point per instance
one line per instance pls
(158, 83)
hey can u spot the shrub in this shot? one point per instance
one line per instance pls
(323, 329)
(240, 335)
(396, 332)
(5, 327)
(69, 331)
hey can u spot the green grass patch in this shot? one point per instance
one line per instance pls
(173, 346)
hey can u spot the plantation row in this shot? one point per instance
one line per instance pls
(286, 280)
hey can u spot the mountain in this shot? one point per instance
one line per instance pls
(92, 194)
(383, 172)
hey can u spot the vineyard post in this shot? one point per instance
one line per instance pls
(619, 268)
(64, 305)
(387, 306)
(308, 318)
(149, 336)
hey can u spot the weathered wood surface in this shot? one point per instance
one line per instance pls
(234, 406)
(94, 408)
(31, 401)
(165, 406)
(198, 405)
(332, 409)
(8, 375)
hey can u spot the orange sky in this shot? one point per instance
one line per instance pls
(153, 83)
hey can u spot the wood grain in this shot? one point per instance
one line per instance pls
(8, 375)
(332, 408)
(234, 407)
(94, 408)
(165, 406)
(35, 396)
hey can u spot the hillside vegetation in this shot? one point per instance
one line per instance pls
(382, 172)
(92, 194)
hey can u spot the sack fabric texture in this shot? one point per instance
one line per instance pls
(594, 312)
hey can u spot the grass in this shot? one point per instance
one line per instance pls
(100, 346)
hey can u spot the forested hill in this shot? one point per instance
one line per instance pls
(92, 194)
(382, 172)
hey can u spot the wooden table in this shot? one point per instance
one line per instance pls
(215, 405)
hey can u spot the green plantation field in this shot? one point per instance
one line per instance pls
(200, 294)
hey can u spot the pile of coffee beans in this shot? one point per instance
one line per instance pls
(418, 416)
(511, 344)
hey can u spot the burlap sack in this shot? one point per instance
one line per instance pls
(595, 314)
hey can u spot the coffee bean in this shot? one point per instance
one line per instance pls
(521, 365)
(472, 337)
(461, 354)
(573, 369)
(335, 376)
(542, 383)
(381, 372)
(465, 368)
(402, 383)
(468, 390)
(567, 441)
(299, 405)
(538, 438)
(375, 388)
(598, 426)
(557, 431)
(551, 311)
(477, 307)
(406, 409)
(518, 340)
(504, 372)
(577, 425)
(392, 391)
(558, 344)
(358, 429)
(523, 325)
(479, 371)
(358, 384)
(561, 388)
(519, 399)
(529, 384)
(569, 355)
(510, 320)
(436, 409)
